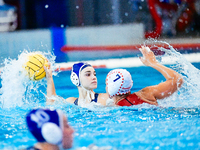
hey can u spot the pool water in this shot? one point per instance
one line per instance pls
(174, 124)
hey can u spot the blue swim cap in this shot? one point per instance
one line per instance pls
(46, 125)
(76, 69)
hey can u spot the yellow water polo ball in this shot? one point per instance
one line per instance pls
(34, 66)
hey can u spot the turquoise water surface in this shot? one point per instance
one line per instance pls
(174, 124)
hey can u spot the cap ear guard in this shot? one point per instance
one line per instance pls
(74, 78)
(75, 73)
(51, 133)
(46, 125)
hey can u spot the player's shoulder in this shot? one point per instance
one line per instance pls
(71, 99)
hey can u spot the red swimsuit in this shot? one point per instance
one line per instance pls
(130, 100)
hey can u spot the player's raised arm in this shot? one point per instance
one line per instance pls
(51, 91)
(164, 89)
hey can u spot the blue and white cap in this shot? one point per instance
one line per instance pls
(118, 82)
(75, 72)
(46, 125)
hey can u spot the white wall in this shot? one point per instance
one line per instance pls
(13, 43)
(123, 34)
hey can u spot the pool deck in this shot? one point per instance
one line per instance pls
(129, 62)
(134, 61)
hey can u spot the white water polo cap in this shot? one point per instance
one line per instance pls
(75, 72)
(46, 125)
(118, 82)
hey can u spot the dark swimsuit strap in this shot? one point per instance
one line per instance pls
(93, 100)
(129, 101)
(76, 102)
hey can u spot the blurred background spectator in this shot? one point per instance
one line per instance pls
(8, 17)
(177, 16)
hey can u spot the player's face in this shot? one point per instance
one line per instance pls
(67, 134)
(88, 78)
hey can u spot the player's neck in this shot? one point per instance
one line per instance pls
(45, 146)
(117, 98)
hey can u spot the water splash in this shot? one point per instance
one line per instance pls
(187, 95)
(17, 89)
(111, 126)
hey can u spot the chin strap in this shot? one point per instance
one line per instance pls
(89, 97)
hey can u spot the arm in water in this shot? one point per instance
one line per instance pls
(164, 89)
(51, 91)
